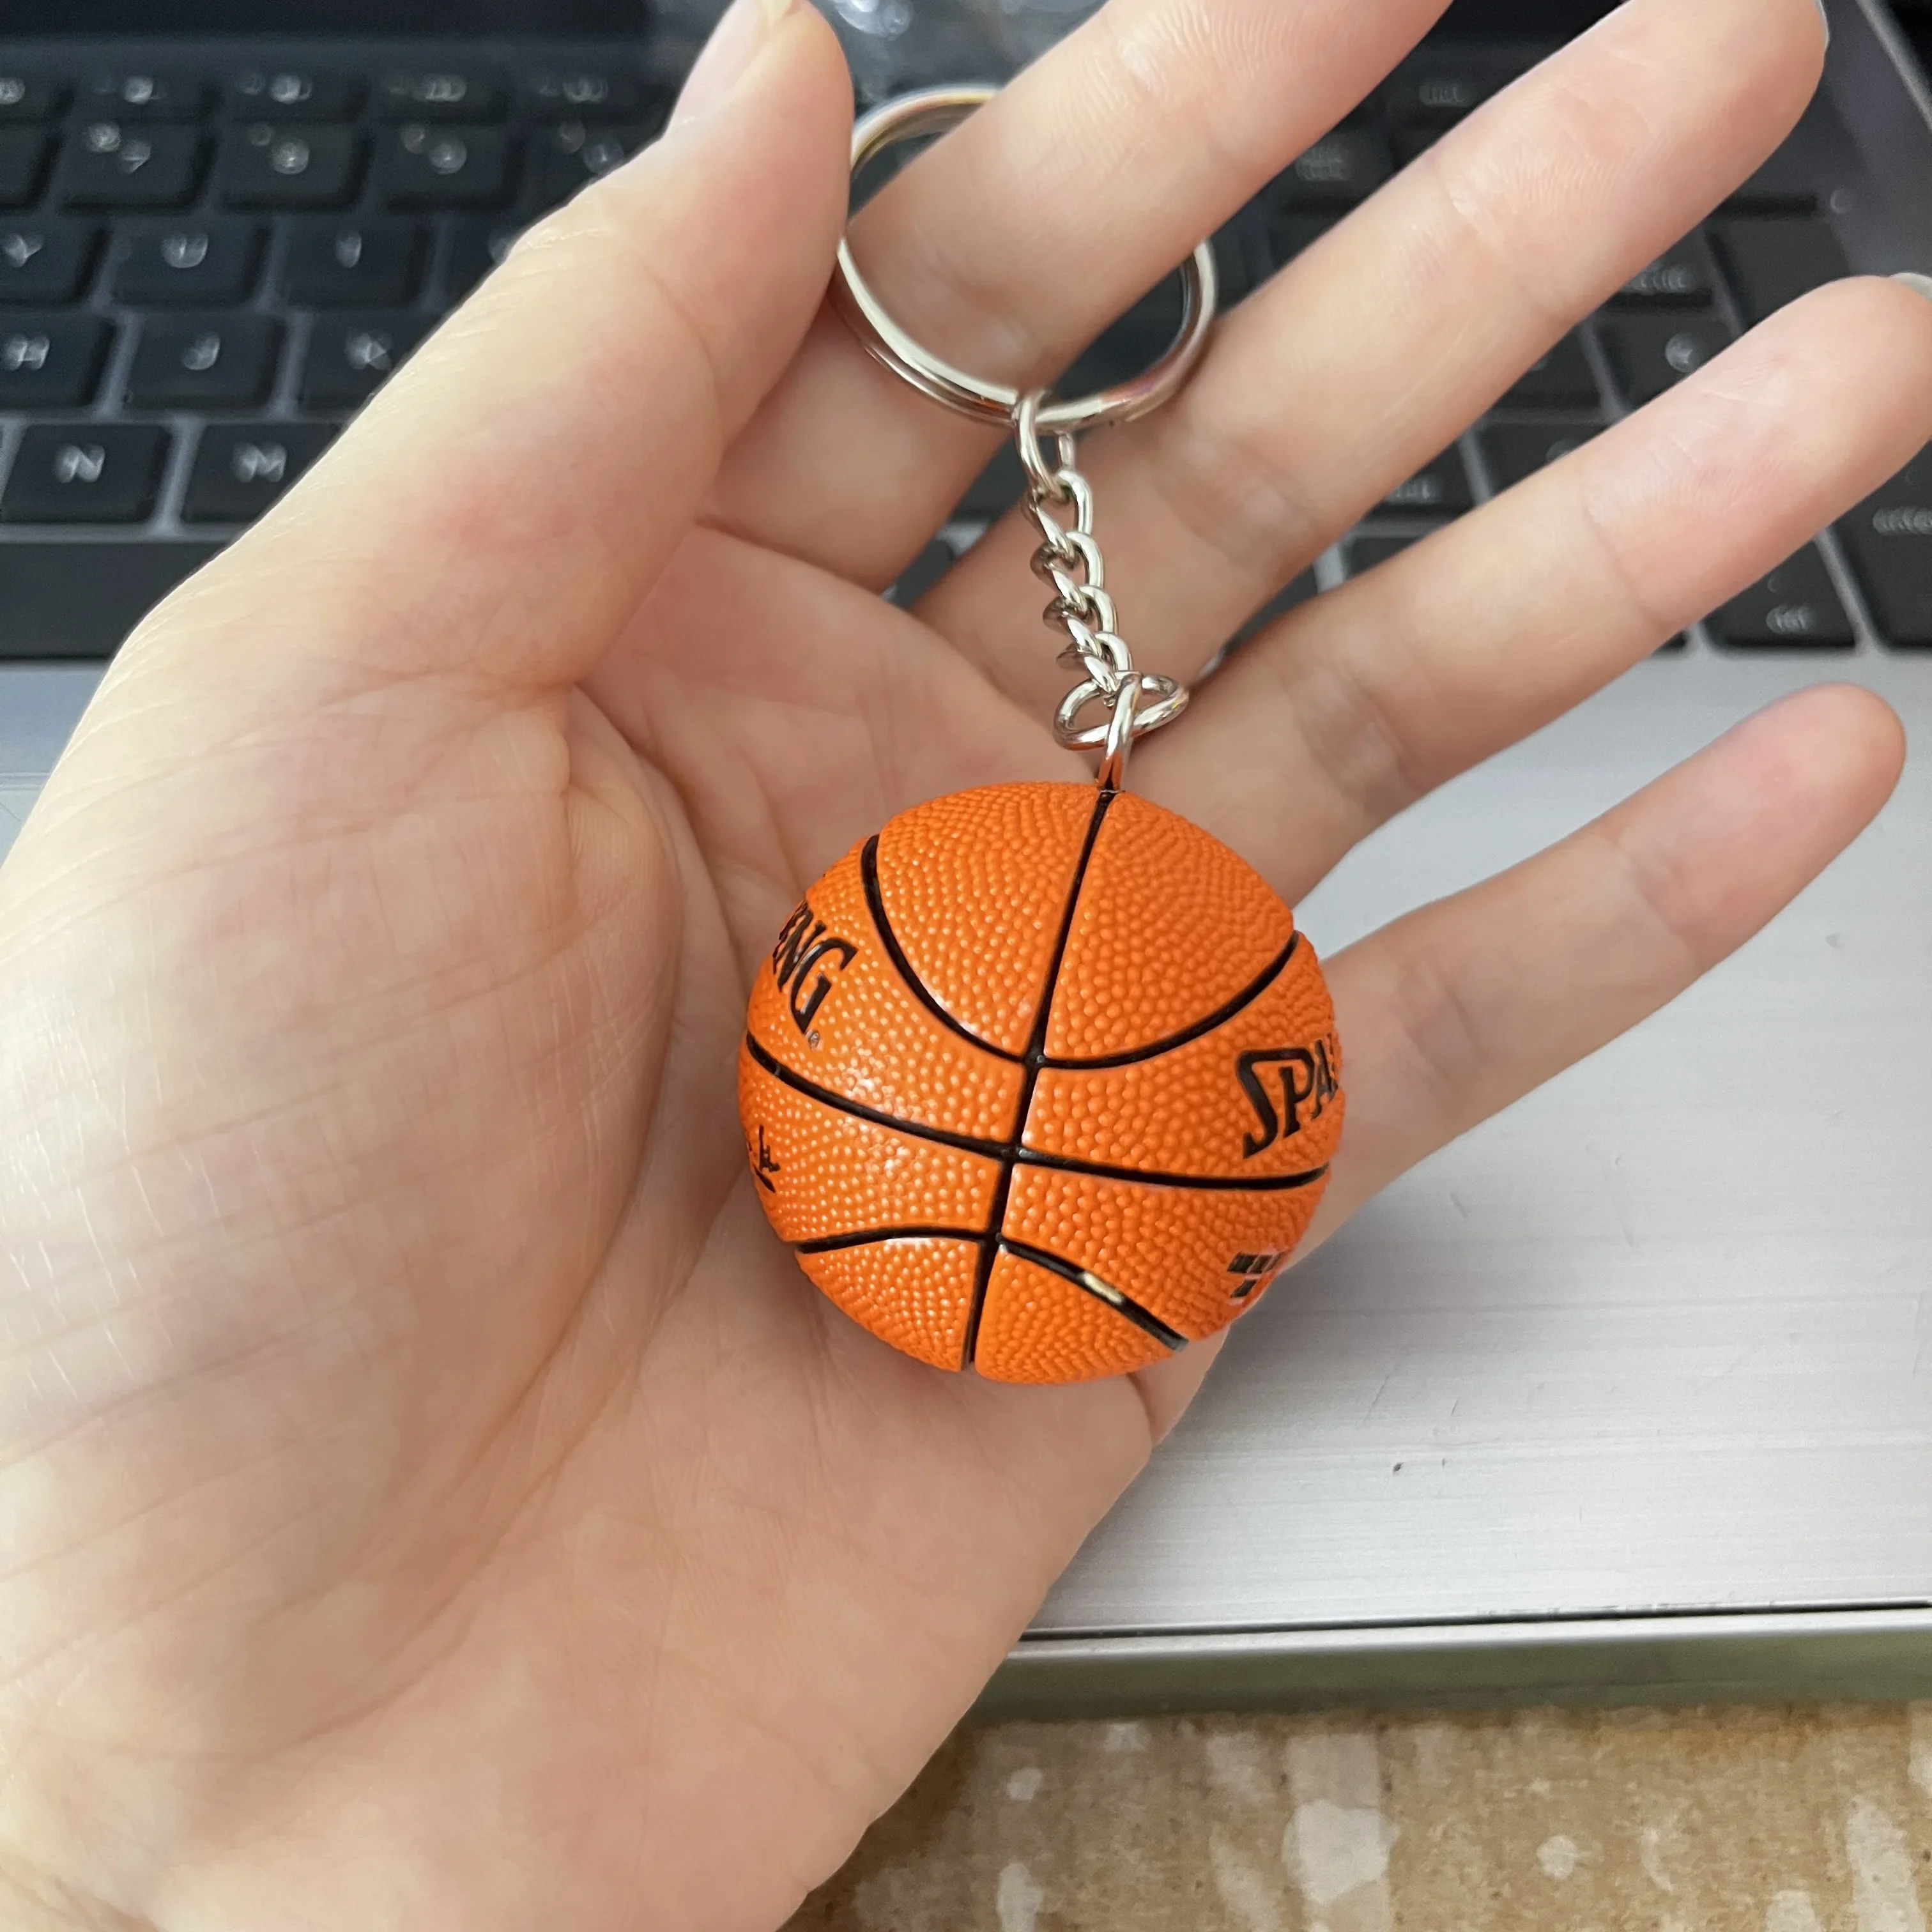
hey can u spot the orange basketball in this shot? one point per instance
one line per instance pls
(1041, 1082)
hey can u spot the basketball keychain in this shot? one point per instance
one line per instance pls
(1040, 1080)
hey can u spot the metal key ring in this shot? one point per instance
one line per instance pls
(932, 111)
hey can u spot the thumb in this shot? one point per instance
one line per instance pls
(504, 503)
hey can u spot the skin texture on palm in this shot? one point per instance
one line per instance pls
(432, 1497)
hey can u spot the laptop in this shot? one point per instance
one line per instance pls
(1629, 1392)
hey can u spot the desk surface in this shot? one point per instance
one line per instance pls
(1745, 1821)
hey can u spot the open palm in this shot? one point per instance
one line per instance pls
(432, 1497)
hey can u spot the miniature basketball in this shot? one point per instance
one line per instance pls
(1041, 1082)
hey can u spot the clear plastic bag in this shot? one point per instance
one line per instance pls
(893, 45)
(896, 44)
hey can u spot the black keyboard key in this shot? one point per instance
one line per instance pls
(1562, 380)
(1233, 264)
(1779, 187)
(85, 473)
(204, 361)
(1649, 354)
(426, 164)
(1290, 234)
(50, 362)
(1363, 553)
(1303, 590)
(921, 575)
(78, 600)
(353, 264)
(351, 356)
(1340, 170)
(295, 164)
(1774, 261)
(995, 490)
(1516, 451)
(441, 95)
(294, 94)
(46, 261)
(1683, 278)
(582, 94)
(473, 249)
(112, 164)
(143, 94)
(203, 262)
(1795, 608)
(1440, 490)
(564, 158)
(30, 97)
(1438, 94)
(239, 471)
(23, 161)
(1889, 536)
(1411, 143)
(1127, 345)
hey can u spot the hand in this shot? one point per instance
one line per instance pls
(432, 1497)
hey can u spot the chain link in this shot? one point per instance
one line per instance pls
(1070, 562)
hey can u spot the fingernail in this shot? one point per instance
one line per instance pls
(1918, 284)
(1825, 18)
(733, 46)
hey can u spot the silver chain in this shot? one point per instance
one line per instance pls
(1069, 561)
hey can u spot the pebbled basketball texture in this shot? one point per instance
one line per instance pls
(1041, 1082)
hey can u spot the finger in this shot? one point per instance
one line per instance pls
(1448, 1015)
(1371, 696)
(1166, 1389)
(1368, 356)
(505, 502)
(1007, 246)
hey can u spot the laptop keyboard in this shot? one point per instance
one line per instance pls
(206, 268)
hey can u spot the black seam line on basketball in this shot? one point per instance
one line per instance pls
(1211, 1183)
(875, 904)
(1036, 1053)
(1221, 1015)
(1023, 1156)
(1104, 1292)
(778, 1069)
(866, 1237)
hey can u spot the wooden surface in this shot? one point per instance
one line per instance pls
(1788, 1820)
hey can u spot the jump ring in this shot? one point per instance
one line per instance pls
(1121, 732)
(1171, 700)
(1051, 482)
